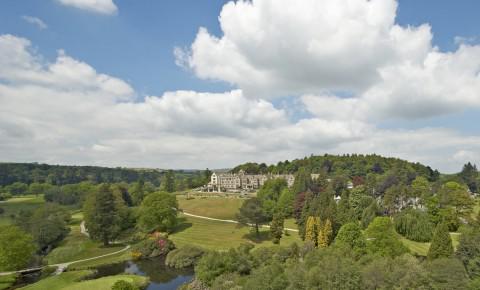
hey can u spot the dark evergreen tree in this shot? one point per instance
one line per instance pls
(102, 214)
(369, 214)
(302, 181)
(469, 175)
(344, 211)
(251, 213)
(276, 228)
(169, 181)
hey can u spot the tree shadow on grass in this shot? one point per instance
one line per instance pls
(182, 225)
(263, 236)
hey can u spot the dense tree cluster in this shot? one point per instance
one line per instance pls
(415, 204)
(335, 267)
(352, 219)
(24, 174)
(16, 248)
(355, 166)
(48, 225)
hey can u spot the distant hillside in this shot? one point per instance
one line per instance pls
(347, 165)
(61, 174)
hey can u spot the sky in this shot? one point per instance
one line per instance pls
(196, 83)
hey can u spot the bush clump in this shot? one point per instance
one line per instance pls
(124, 285)
(152, 247)
(184, 257)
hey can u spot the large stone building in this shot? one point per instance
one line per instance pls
(220, 182)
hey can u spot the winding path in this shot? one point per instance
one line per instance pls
(62, 266)
(229, 221)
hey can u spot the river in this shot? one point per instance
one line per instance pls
(161, 277)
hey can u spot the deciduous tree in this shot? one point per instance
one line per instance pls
(350, 236)
(158, 212)
(16, 248)
(382, 239)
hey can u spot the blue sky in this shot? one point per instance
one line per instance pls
(135, 44)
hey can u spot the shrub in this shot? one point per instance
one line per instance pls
(382, 239)
(414, 225)
(152, 247)
(5, 195)
(124, 285)
(184, 257)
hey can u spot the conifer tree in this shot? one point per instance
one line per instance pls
(441, 246)
(322, 238)
(325, 234)
(102, 214)
(328, 231)
(310, 235)
(276, 228)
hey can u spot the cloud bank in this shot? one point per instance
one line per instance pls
(66, 112)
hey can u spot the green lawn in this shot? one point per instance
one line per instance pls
(13, 205)
(290, 223)
(422, 248)
(215, 207)
(120, 257)
(77, 246)
(72, 281)
(7, 281)
(220, 235)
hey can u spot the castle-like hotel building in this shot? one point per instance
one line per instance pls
(221, 182)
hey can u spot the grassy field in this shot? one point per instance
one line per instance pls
(422, 248)
(215, 207)
(220, 235)
(77, 246)
(72, 281)
(7, 281)
(120, 257)
(290, 223)
(14, 205)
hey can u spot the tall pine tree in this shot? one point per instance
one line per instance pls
(102, 214)
(441, 246)
(276, 228)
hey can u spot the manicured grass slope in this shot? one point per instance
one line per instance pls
(14, 205)
(422, 248)
(72, 281)
(290, 223)
(214, 207)
(77, 246)
(220, 235)
(120, 257)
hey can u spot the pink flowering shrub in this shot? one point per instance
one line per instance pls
(153, 247)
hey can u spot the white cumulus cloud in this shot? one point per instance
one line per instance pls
(324, 49)
(96, 6)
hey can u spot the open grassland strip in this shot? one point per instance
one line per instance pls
(14, 205)
(215, 207)
(77, 280)
(221, 235)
